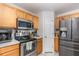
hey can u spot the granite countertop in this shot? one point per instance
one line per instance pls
(9, 43)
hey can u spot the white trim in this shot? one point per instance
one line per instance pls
(15, 6)
(69, 12)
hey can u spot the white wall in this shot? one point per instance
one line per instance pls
(46, 29)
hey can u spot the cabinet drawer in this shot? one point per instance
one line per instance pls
(11, 53)
(8, 48)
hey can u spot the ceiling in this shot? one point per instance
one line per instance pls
(37, 7)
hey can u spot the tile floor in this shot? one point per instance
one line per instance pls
(49, 54)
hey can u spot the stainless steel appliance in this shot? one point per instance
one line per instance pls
(5, 35)
(24, 24)
(28, 48)
(27, 44)
(69, 37)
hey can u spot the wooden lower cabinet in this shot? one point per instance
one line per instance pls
(39, 46)
(12, 50)
(56, 44)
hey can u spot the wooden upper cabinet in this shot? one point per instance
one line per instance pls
(29, 17)
(24, 15)
(36, 22)
(57, 21)
(7, 17)
(20, 14)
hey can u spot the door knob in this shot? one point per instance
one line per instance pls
(45, 36)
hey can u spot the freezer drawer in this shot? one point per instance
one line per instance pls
(71, 44)
(66, 51)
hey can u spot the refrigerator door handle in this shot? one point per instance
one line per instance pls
(71, 29)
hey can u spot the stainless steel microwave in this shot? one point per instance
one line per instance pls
(24, 24)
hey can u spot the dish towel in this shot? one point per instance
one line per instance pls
(29, 46)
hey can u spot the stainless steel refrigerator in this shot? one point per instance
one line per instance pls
(69, 37)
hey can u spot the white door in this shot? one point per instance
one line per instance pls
(48, 35)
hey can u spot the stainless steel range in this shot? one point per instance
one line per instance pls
(27, 44)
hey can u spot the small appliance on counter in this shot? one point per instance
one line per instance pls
(32, 33)
(35, 33)
(5, 35)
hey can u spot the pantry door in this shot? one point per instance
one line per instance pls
(48, 35)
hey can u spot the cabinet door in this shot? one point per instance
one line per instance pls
(7, 17)
(20, 14)
(56, 44)
(12, 50)
(57, 23)
(29, 17)
(11, 53)
(8, 48)
(25, 15)
(39, 46)
(35, 22)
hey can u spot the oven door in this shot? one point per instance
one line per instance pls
(28, 47)
(23, 49)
